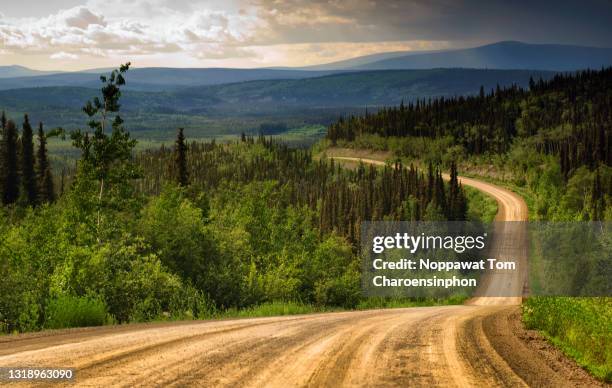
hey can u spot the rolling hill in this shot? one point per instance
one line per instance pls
(244, 105)
(157, 78)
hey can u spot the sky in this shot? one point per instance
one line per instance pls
(85, 34)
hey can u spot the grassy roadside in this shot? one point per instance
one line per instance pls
(270, 309)
(580, 327)
(480, 206)
(527, 195)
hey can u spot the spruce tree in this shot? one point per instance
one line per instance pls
(2, 155)
(181, 159)
(30, 192)
(43, 170)
(10, 165)
(453, 200)
(461, 205)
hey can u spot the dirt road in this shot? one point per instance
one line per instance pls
(470, 345)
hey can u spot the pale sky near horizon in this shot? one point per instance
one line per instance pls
(81, 34)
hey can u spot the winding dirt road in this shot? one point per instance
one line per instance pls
(469, 345)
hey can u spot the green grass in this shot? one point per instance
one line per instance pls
(524, 192)
(306, 135)
(66, 312)
(580, 327)
(301, 135)
(272, 309)
(72, 311)
(480, 206)
(378, 303)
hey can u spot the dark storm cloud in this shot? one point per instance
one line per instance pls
(586, 22)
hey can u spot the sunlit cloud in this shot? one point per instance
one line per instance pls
(63, 55)
(305, 54)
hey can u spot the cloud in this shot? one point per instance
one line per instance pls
(81, 18)
(304, 54)
(460, 21)
(80, 30)
(291, 32)
(63, 55)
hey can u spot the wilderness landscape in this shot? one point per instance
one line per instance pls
(203, 225)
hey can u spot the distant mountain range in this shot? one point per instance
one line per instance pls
(502, 55)
(15, 71)
(312, 99)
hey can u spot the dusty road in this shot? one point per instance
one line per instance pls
(471, 345)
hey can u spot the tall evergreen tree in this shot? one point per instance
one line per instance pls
(2, 156)
(28, 175)
(3, 123)
(454, 211)
(180, 159)
(10, 165)
(43, 170)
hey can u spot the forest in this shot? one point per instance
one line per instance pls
(189, 231)
(553, 138)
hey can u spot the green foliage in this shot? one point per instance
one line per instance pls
(545, 136)
(28, 177)
(337, 274)
(480, 206)
(556, 197)
(260, 228)
(43, 169)
(581, 327)
(106, 159)
(387, 302)
(69, 311)
(9, 165)
(180, 158)
(270, 309)
(175, 229)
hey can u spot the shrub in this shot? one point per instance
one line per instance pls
(174, 226)
(343, 291)
(74, 311)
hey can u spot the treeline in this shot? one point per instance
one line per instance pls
(25, 173)
(571, 114)
(342, 198)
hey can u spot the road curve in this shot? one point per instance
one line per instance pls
(501, 288)
(428, 346)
